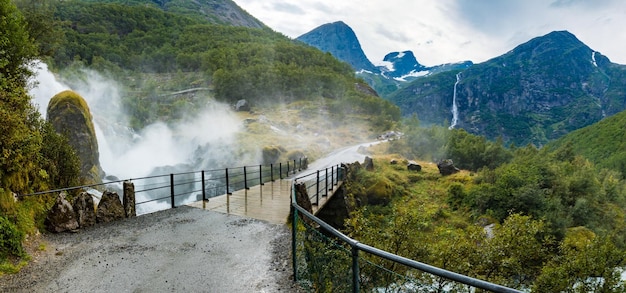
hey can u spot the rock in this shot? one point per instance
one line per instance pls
(413, 166)
(271, 154)
(85, 210)
(446, 167)
(129, 199)
(393, 162)
(61, 216)
(368, 164)
(110, 208)
(390, 135)
(69, 114)
(302, 196)
(363, 150)
(242, 105)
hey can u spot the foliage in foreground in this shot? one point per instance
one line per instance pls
(32, 156)
(544, 220)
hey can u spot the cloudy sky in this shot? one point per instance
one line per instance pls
(444, 31)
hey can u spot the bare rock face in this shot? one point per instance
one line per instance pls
(69, 113)
(446, 167)
(61, 216)
(110, 208)
(85, 210)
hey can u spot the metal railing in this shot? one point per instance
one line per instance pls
(320, 182)
(160, 192)
(324, 259)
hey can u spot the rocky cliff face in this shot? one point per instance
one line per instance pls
(339, 39)
(215, 11)
(69, 114)
(536, 92)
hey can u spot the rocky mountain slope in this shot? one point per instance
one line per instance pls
(537, 92)
(396, 68)
(339, 39)
(224, 12)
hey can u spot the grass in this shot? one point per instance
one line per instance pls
(426, 190)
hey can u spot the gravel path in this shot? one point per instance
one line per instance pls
(178, 250)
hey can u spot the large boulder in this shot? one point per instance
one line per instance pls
(110, 208)
(69, 114)
(242, 106)
(368, 164)
(272, 154)
(85, 210)
(61, 216)
(413, 166)
(446, 167)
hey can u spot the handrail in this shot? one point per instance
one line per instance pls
(357, 246)
(228, 179)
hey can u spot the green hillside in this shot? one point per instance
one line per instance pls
(235, 62)
(535, 93)
(603, 143)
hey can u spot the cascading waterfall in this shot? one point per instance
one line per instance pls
(455, 108)
(204, 140)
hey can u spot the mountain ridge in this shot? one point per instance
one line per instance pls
(536, 92)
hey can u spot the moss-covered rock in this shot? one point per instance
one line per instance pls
(272, 154)
(69, 113)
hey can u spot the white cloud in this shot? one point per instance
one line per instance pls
(447, 31)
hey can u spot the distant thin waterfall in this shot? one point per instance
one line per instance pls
(593, 58)
(455, 108)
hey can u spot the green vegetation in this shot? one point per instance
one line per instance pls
(435, 143)
(32, 156)
(236, 63)
(602, 143)
(152, 52)
(545, 220)
(535, 93)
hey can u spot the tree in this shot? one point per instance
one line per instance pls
(17, 51)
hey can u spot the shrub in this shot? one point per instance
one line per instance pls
(10, 240)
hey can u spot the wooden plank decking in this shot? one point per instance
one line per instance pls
(269, 202)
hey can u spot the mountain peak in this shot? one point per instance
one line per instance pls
(397, 64)
(340, 40)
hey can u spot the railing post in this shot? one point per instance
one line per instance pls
(260, 174)
(227, 191)
(203, 187)
(300, 167)
(280, 170)
(294, 231)
(272, 172)
(245, 178)
(172, 190)
(333, 175)
(317, 191)
(294, 166)
(287, 168)
(355, 269)
(326, 181)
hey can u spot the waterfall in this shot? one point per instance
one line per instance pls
(455, 108)
(593, 58)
